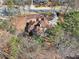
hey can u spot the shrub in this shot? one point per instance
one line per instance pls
(39, 39)
(72, 23)
(14, 42)
(54, 34)
(3, 24)
(6, 25)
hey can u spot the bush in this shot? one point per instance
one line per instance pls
(70, 27)
(6, 25)
(14, 42)
(39, 39)
(58, 33)
(54, 34)
(72, 23)
(3, 24)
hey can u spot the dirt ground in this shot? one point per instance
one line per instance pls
(34, 51)
(37, 53)
(4, 38)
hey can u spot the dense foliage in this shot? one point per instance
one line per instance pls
(72, 23)
(14, 42)
(70, 27)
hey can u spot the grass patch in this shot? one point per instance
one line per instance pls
(39, 39)
(72, 23)
(6, 25)
(14, 43)
(46, 13)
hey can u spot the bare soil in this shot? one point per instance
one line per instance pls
(34, 51)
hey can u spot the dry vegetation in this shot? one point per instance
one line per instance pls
(56, 45)
(60, 42)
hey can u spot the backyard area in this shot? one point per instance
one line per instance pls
(39, 29)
